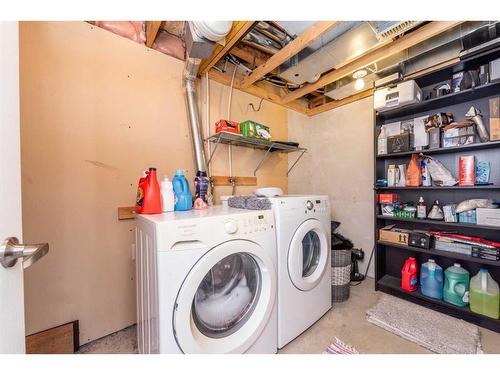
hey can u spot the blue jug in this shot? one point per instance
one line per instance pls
(182, 194)
(431, 280)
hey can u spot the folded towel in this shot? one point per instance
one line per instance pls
(249, 203)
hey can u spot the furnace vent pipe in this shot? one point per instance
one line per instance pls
(189, 84)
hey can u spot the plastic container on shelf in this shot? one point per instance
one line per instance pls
(456, 285)
(431, 279)
(409, 277)
(485, 295)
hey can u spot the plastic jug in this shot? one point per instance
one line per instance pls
(431, 279)
(148, 199)
(167, 195)
(456, 285)
(409, 275)
(183, 198)
(485, 295)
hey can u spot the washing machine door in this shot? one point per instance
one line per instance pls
(226, 299)
(308, 255)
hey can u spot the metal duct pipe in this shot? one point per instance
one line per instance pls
(189, 84)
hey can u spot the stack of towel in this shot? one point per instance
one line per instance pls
(249, 202)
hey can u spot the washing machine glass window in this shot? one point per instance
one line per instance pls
(226, 299)
(311, 253)
(227, 295)
(308, 255)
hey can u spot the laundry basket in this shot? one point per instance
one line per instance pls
(341, 275)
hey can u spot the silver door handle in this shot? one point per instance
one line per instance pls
(11, 250)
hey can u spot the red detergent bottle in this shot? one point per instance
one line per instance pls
(409, 275)
(148, 194)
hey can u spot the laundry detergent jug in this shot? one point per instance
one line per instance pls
(485, 295)
(183, 198)
(431, 279)
(409, 275)
(456, 285)
(148, 199)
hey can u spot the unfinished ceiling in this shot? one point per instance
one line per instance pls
(312, 67)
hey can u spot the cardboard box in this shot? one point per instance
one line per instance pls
(394, 235)
(387, 198)
(494, 129)
(467, 170)
(488, 216)
(400, 143)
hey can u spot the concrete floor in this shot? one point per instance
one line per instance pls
(346, 321)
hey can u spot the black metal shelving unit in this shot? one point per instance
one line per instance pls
(390, 257)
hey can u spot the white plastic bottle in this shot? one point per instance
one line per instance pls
(167, 195)
(382, 142)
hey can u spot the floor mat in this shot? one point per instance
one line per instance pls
(437, 332)
(339, 347)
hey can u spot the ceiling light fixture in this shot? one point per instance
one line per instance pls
(358, 76)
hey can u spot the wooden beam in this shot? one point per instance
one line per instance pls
(237, 32)
(152, 28)
(239, 181)
(252, 56)
(338, 103)
(255, 90)
(425, 32)
(291, 49)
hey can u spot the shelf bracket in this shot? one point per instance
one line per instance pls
(213, 151)
(295, 162)
(262, 160)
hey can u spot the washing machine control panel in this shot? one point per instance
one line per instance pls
(231, 227)
(309, 205)
(249, 224)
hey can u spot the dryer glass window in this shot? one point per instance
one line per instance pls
(227, 295)
(311, 251)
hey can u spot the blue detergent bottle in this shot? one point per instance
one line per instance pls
(431, 279)
(182, 194)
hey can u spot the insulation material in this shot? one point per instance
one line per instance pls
(170, 45)
(133, 30)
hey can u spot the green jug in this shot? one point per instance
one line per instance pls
(485, 295)
(456, 285)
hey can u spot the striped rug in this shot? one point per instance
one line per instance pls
(339, 347)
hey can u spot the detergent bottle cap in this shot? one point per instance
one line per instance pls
(457, 265)
(431, 261)
(166, 183)
(421, 200)
(483, 270)
(179, 172)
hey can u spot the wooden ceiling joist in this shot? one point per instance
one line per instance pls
(425, 32)
(255, 90)
(238, 31)
(338, 103)
(152, 28)
(291, 49)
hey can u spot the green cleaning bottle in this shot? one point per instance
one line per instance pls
(485, 294)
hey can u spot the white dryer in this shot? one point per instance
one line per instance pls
(304, 278)
(206, 282)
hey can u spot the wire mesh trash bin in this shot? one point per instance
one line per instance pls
(341, 275)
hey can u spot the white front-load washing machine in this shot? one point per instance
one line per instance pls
(303, 232)
(206, 282)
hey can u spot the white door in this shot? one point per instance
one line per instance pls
(11, 270)
(226, 299)
(308, 255)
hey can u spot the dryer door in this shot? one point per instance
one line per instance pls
(308, 255)
(226, 299)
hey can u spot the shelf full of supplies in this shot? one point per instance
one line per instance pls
(260, 144)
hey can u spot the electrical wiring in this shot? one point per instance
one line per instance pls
(366, 271)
